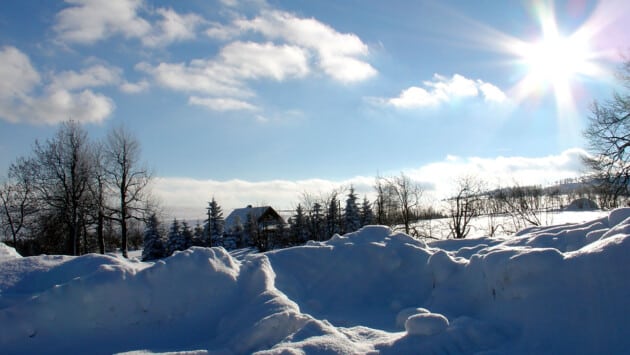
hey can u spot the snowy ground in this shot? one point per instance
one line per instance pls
(546, 290)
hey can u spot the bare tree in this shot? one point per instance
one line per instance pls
(17, 200)
(608, 135)
(408, 194)
(397, 201)
(386, 204)
(60, 172)
(98, 190)
(465, 205)
(128, 178)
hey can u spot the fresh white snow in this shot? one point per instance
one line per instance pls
(558, 289)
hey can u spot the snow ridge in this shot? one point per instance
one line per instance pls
(559, 289)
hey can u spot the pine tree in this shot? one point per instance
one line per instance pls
(187, 235)
(317, 222)
(351, 215)
(366, 213)
(332, 217)
(153, 243)
(175, 241)
(198, 235)
(299, 233)
(214, 223)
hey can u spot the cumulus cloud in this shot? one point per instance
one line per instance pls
(339, 55)
(187, 198)
(134, 88)
(94, 76)
(65, 97)
(173, 28)
(225, 76)
(442, 90)
(89, 21)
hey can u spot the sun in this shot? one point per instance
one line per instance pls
(555, 62)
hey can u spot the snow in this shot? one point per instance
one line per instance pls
(7, 252)
(555, 289)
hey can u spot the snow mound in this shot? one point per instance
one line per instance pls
(558, 289)
(426, 324)
(8, 253)
(582, 204)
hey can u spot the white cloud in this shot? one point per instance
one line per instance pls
(338, 54)
(187, 198)
(134, 88)
(94, 76)
(222, 104)
(502, 170)
(205, 76)
(88, 21)
(250, 60)
(491, 92)
(226, 76)
(18, 75)
(444, 90)
(172, 28)
(59, 101)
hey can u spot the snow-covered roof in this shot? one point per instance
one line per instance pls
(243, 213)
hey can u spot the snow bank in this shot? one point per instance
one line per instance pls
(8, 253)
(559, 289)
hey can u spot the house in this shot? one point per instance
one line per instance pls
(267, 222)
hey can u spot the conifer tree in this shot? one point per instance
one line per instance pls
(352, 221)
(175, 241)
(198, 235)
(214, 223)
(299, 233)
(332, 217)
(317, 222)
(366, 213)
(187, 235)
(153, 244)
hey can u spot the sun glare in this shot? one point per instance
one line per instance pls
(556, 59)
(554, 62)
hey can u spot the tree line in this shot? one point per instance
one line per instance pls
(72, 192)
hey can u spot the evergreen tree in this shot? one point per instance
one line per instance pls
(175, 241)
(198, 235)
(352, 221)
(317, 222)
(215, 223)
(187, 235)
(153, 243)
(298, 229)
(332, 217)
(366, 213)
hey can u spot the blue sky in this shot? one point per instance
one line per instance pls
(256, 101)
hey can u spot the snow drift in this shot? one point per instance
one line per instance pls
(559, 289)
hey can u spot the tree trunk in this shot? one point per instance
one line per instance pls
(99, 232)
